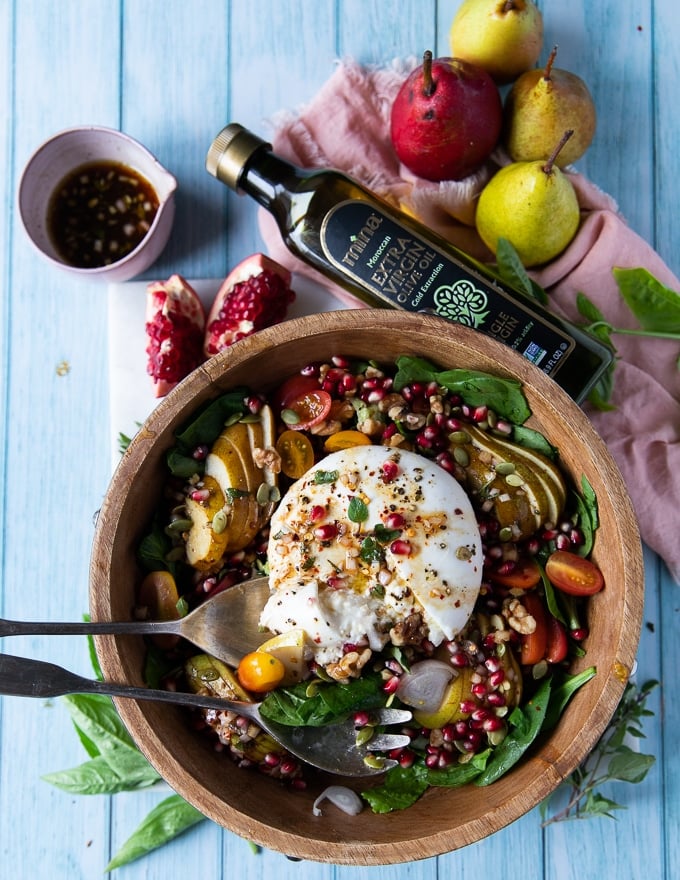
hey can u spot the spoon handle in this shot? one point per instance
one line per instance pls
(22, 677)
(83, 628)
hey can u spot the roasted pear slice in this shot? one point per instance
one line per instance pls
(525, 488)
(205, 544)
(226, 466)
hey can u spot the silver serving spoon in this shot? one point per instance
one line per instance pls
(333, 748)
(225, 626)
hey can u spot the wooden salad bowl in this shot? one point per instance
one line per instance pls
(256, 807)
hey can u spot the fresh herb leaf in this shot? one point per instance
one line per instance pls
(504, 396)
(166, 821)
(529, 438)
(561, 695)
(612, 760)
(325, 476)
(656, 307)
(93, 777)
(511, 270)
(154, 549)
(123, 442)
(206, 427)
(357, 510)
(587, 515)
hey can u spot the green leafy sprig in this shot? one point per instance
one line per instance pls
(115, 764)
(655, 307)
(612, 760)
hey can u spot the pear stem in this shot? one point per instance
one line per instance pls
(508, 6)
(428, 82)
(548, 167)
(549, 63)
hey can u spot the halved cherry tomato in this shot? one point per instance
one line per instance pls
(158, 595)
(296, 452)
(293, 387)
(524, 576)
(573, 574)
(260, 672)
(558, 644)
(534, 645)
(346, 440)
(307, 409)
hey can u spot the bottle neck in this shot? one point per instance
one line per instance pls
(270, 180)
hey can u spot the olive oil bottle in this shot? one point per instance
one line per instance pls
(389, 260)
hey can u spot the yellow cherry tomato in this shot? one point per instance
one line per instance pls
(260, 672)
(346, 440)
(297, 454)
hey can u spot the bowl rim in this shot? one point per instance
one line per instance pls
(538, 776)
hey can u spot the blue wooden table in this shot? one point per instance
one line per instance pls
(172, 73)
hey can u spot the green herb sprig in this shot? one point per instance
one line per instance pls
(115, 764)
(655, 307)
(612, 760)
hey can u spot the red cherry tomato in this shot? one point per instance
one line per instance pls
(573, 574)
(292, 388)
(524, 576)
(558, 645)
(534, 645)
(307, 410)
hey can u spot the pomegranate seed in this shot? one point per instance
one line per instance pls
(391, 684)
(254, 403)
(310, 370)
(446, 461)
(271, 759)
(406, 758)
(288, 767)
(395, 521)
(390, 431)
(480, 714)
(400, 547)
(390, 471)
(461, 728)
(496, 678)
(562, 542)
(326, 532)
(467, 706)
(493, 664)
(492, 723)
(444, 760)
(317, 512)
(479, 689)
(348, 384)
(579, 634)
(200, 453)
(361, 719)
(200, 495)
(496, 699)
(340, 361)
(459, 660)
(449, 733)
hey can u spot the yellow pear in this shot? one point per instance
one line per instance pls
(531, 204)
(503, 37)
(540, 106)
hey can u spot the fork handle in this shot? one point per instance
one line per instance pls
(21, 677)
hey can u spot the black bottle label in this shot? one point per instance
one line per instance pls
(411, 273)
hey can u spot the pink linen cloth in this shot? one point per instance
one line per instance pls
(346, 126)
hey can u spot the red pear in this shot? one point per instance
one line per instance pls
(446, 119)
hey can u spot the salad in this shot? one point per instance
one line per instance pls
(423, 547)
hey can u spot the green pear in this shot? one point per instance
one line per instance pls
(540, 106)
(503, 37)
(531, 204)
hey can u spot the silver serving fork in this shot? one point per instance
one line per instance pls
(333, 748)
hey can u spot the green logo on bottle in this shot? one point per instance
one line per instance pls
(462, 302)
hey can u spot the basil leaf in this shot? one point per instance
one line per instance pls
(93, 777)
(655, 306)
(629, 766)
(511, 270)
(526, 723)
(98, 720)
(165, 822)
(504, 396)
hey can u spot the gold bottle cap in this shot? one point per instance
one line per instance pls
(230, 151)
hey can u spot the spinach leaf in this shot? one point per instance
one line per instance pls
(205, 427)
(165, 822)
(400, 788)
(532, 439)
(561, 695)
(332, 701)
(504, 396)
(656, 307)
(154, 549)
(525, 725)
(588, 517)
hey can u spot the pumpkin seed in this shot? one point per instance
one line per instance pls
(364, 735)
(459, 437)
(177, 526)
(219, 522)
(504, 468)
(232, 419)
(505, 534)
(514, 480)
(461, 456)
(262, 496)
(290, 417)
(375, 762)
